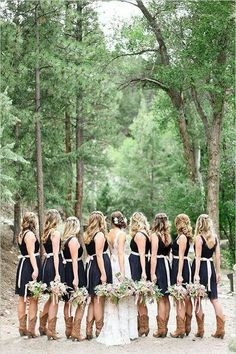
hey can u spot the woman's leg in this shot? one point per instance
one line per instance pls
(52, 320)
(46, 306)
(167, 305)
(22, 317)
(76, 334)
(68, 319)
(180, 319)
(67, 309)
(220, 321)
(143, 320)
(199, 318)
(161, 327)
(32, 318)
(217, 307)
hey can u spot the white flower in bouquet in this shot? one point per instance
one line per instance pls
(79, 296)
(36, 288)
(58, 290)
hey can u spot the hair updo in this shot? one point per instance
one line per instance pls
(118, 219)
(183, 225)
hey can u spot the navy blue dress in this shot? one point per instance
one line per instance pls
(69, 275)
(203, 274)
(186, 272)
(161, 271)
(93, 273)
(25, 269)
(48, 269)
(134, 260)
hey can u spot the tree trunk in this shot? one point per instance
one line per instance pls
(39, 164)
(17, 217)
(79, 133)
(68, 149)
(214, 170)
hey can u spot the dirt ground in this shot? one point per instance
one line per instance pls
(11, 342)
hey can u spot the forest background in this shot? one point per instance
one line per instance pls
(140, 119)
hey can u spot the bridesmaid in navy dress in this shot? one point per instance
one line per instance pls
(52, 270)
(139, 262)
(28, 270)
(181, 273)
(74, 275)
(160, 269)
(204, 271)
(98, 269)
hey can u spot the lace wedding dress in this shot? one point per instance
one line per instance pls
(120, 321)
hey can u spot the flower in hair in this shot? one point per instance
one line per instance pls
(116, 221)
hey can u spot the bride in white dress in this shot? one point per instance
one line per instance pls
(120, 321)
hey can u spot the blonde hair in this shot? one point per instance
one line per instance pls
(138, 222)
(204, 226)
(29, 222)
(183, 226)
(161, 226)
(96, 223)
(52, 219)
(71, 228)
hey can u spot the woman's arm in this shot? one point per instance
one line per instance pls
(154, 243)
(198, 253)
(73, 247)
(30, 243)
(140, 239)
(99, 246)
(182, 242)
(56, 249)
(217, 261)
(121, 251)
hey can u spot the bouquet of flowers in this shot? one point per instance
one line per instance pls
(36, 288)
(196, 290)
(79, 296)
(178, 292)
(57, 289)
(104, 290)
(156, 293)
(144, 290)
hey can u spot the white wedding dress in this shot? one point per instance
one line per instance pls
(120, 321)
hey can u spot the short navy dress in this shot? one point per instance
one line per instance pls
(48, 269)
(134, 259)
(93, 273)
(163, 269)
(186, 272)
(207, 267)
(25, 269)
(69, 275)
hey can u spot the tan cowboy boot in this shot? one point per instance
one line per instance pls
(99, 325)
(69, 326)
(31, 329)
(188, 324)
(51, 330)
(43, 323)
(76, 334)
(180, 330)
(220, 328)
(161, 328)
(23, 326)
(144, 326)
(200, 326)
(89, 329)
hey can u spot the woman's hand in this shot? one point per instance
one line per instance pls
(179, 279)
(57, 277)
(35, 274)
(218, 278)
(144, 276)
(196, 278)
(153, 278)
(75, 283)
(103, 278)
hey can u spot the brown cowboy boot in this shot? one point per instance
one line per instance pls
(180, 330)
(31, 329)
(188, 324)
(43, 323)
(161, 328)
(200, 326)
(69, 326)
(76, 335)
(144, 325)
(220, 328)
(89, 329)
(22, 326)
(99, 325)
(51, 330)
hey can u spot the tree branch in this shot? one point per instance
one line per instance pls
(145, 80)
(129, 2)
(199, 109)
(132, 54)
